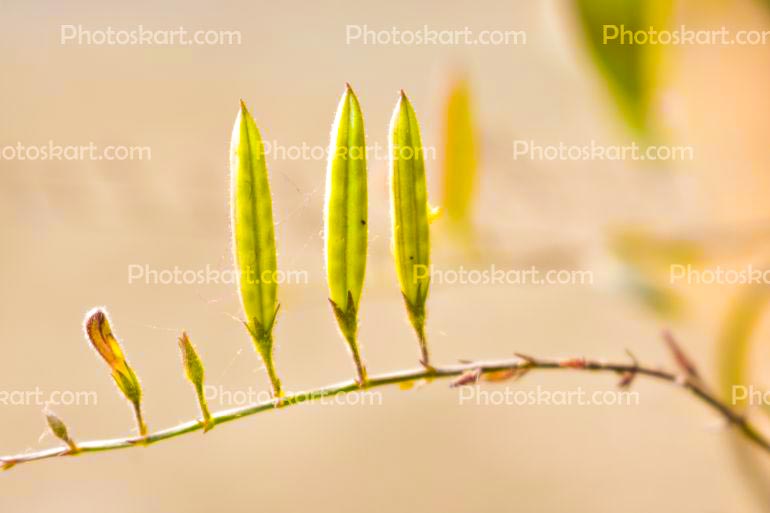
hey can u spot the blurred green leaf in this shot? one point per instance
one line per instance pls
(631, 70)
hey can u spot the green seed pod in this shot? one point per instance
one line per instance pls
(100, 334)
(345, 219)
(193, 368)
(410, 215)
(254, 237)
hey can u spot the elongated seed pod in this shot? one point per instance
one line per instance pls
(100, 334)
(254, 237)
(409, 215)
(345, 219)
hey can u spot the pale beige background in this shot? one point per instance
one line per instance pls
(70, 230)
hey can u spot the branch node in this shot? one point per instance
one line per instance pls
(428, 367)
(506, 374)
(7, 463)
(574, 363)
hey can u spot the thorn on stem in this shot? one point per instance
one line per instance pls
(627, 378)
(681, 359)
(469, 377)
(529, 359)
(633, 358)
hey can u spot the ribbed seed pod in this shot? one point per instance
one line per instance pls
(100, 334)
(410, 215)
(254, 237)
(193, 368)
(345, 220)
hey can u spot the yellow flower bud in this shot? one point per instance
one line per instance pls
(100, 334)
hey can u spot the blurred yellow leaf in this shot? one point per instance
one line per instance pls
(735, 338)
(460, 157)
(647, 259)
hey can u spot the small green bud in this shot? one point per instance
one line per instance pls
(60, 430)
(193, 368)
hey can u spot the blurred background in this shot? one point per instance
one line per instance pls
(71, 231)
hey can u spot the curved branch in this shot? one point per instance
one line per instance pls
(467, 373)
